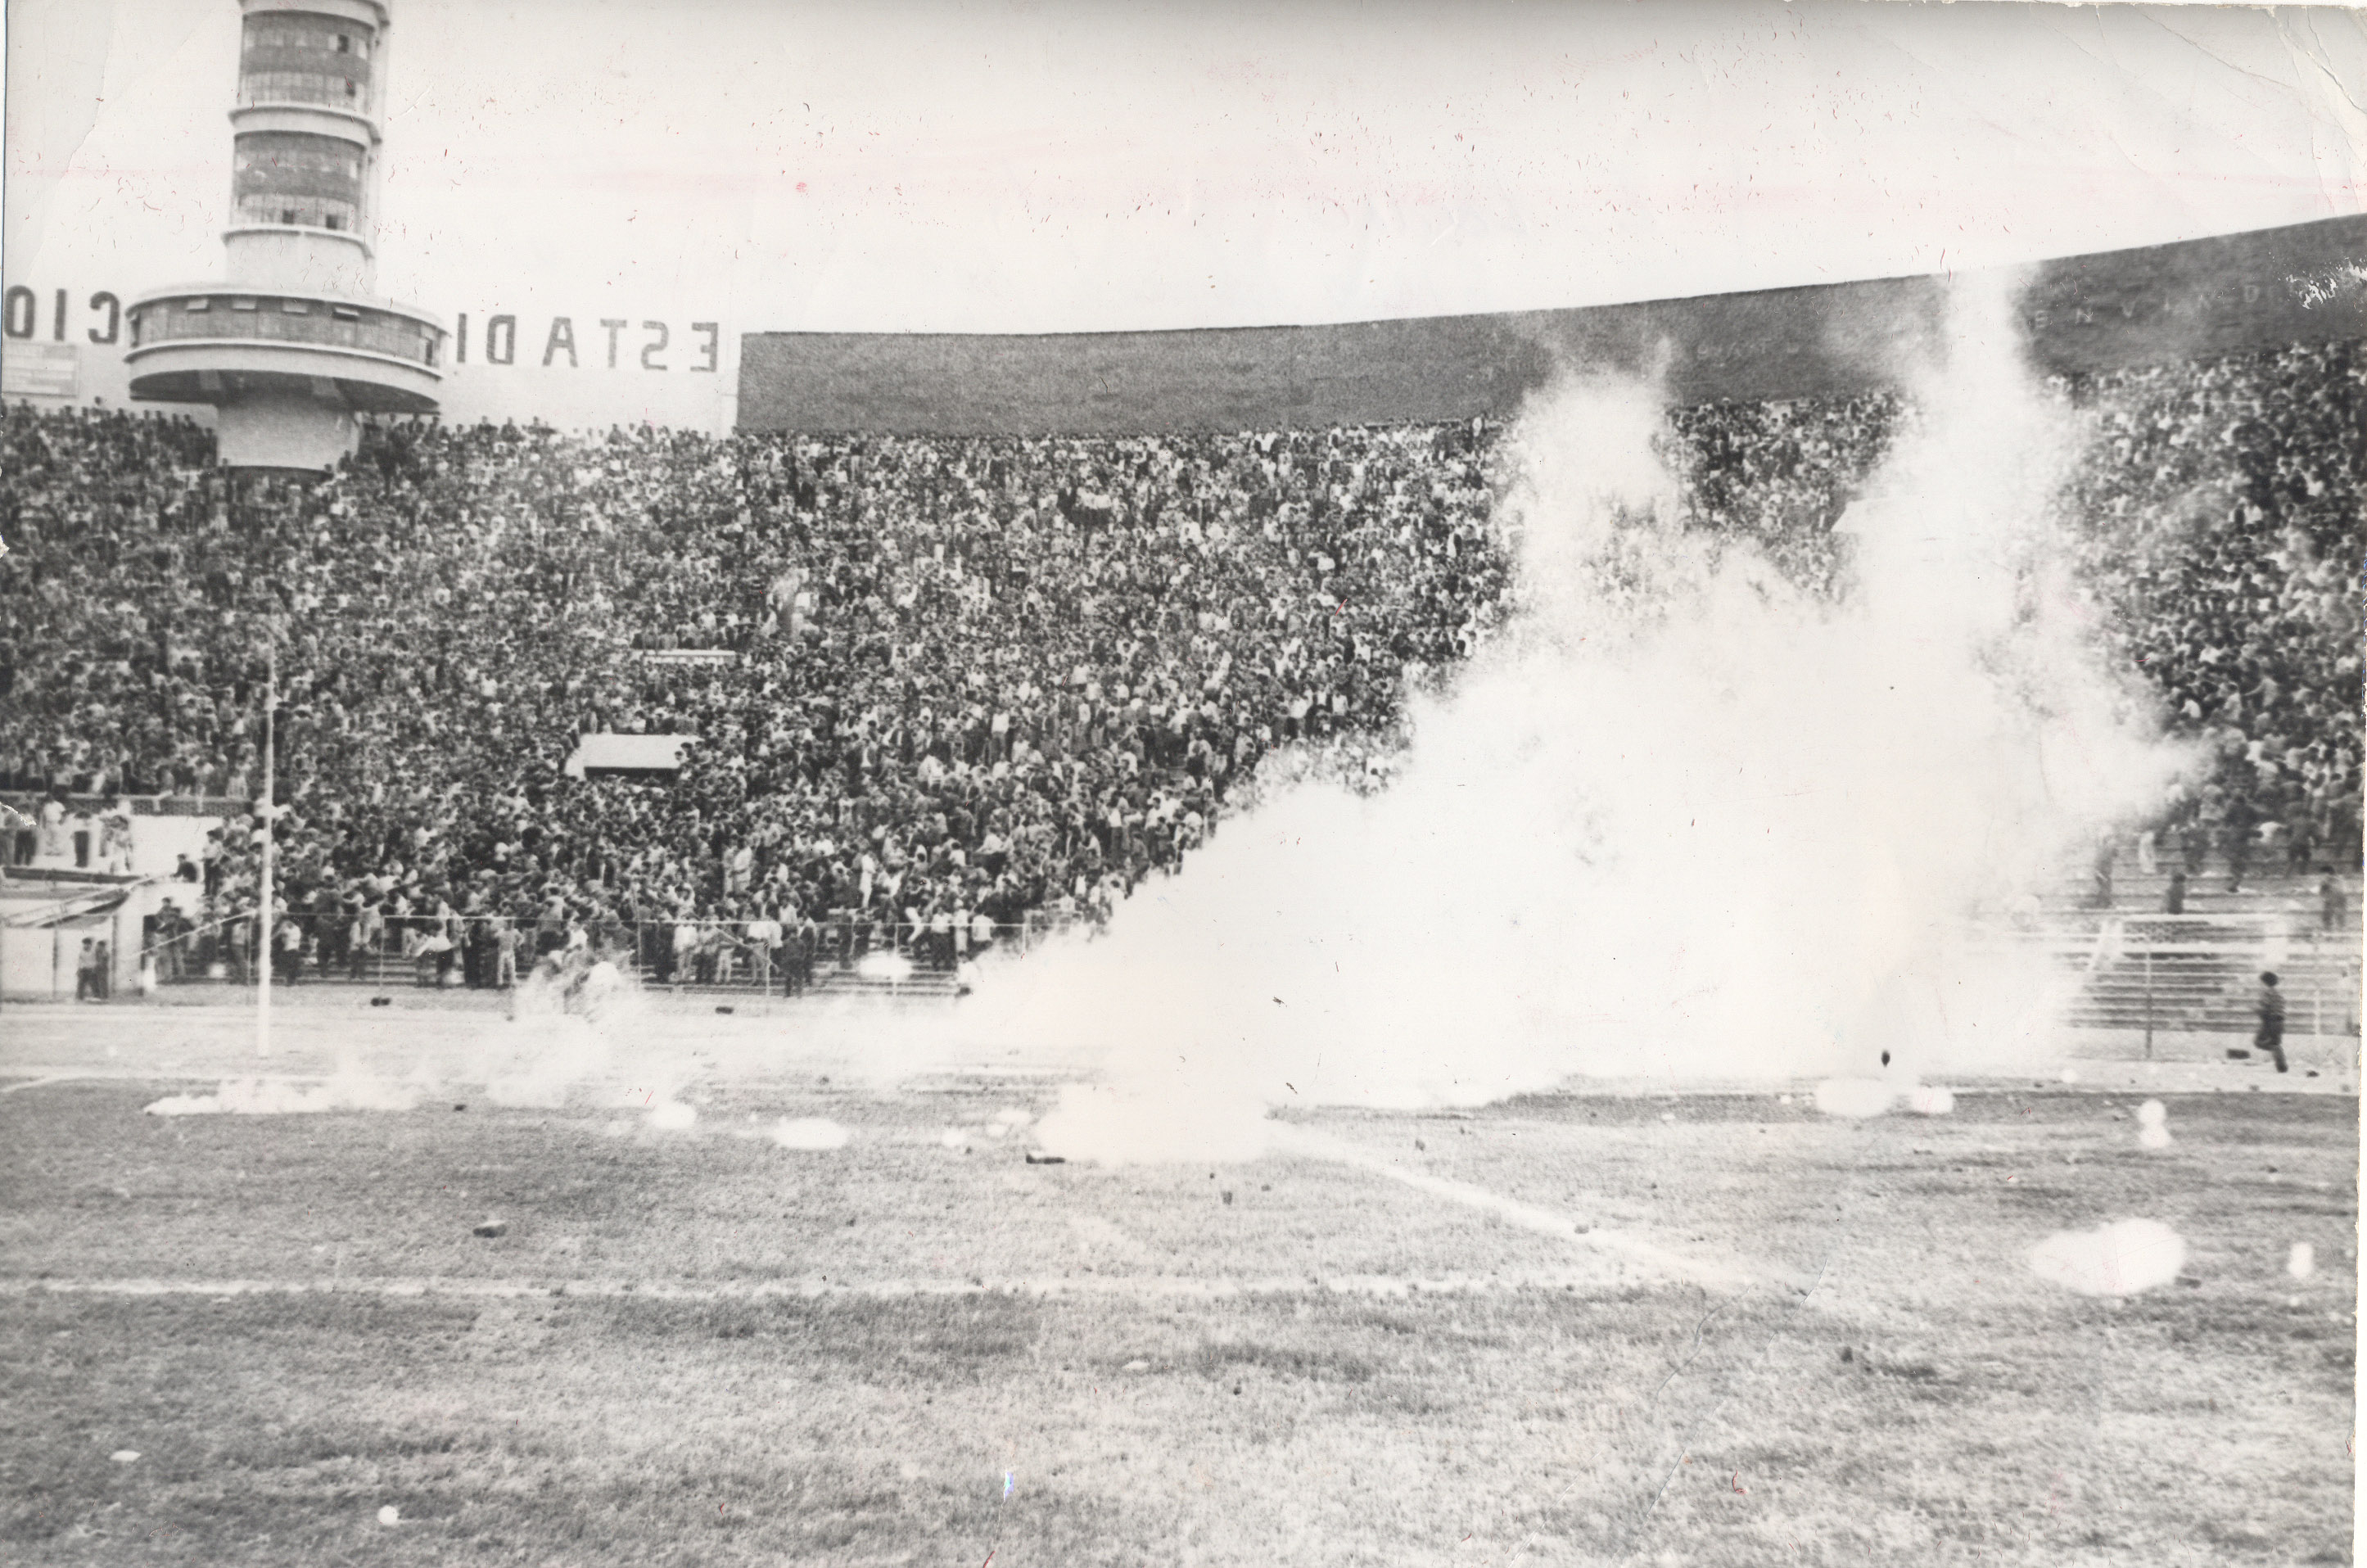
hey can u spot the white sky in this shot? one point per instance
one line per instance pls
(1033, 165)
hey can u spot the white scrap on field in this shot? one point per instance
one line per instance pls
(671, 1116)
(1855, 1097)
(125, 1455)
(2301, 1262)
(1931, 1100)
(281, 1097)
(2153, 1125)
(953, 1138)
(2120, 1259)
(811, 1132)
(389, 1515)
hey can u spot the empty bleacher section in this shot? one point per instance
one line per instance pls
(971, 688)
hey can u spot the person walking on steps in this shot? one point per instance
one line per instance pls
(2271, 1006)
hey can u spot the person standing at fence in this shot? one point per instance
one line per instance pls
(237, 946)
(2333, 907)
(292, 950)
(805, 941)
(551, 928)
(115, 838)
(168, 941)
(2270, 1003)
(2173, 896)
(86, 972)
(52, 816)
(941, 934)
(763, 935)
(505, 950)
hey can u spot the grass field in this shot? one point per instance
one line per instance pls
(693, 1346)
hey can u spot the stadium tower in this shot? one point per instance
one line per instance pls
(295, 347)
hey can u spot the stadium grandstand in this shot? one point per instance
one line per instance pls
(902, 682)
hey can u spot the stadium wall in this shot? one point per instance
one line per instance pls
(2085, 313)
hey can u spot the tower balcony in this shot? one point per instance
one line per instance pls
(287, 374)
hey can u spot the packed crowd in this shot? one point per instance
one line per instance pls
(2218, 520)
(940, 683)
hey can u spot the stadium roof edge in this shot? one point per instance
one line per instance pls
(2082, 313)
(2355, 223)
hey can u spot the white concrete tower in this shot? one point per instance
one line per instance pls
(294, 346)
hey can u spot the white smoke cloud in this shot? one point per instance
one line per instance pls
(281, 1097)
(1684, 819)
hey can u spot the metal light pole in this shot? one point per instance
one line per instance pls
(264, 921)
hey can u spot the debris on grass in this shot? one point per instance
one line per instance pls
(1034, 1159)
(389, 1515)
(125, 1455)
(491, 1227)
(2301, 1262)
(1931, 1100)
(673, 1116)
(2153, 1125)
(2120, 1259)
(811, 1134)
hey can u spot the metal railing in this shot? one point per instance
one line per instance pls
(493, 952)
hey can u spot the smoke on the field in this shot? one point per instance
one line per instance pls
(1683, 820)
(280, 1096)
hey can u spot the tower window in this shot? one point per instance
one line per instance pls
(241, 304)
(353, 88)
(288, 214)
(344, 313)
(331, 221)
(295, 308)
(345, 44)
(197, 306)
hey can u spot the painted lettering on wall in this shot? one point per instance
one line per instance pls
(99, 318)
(22, 316)
(621, 344)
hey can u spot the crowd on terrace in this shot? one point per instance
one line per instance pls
(943, 683)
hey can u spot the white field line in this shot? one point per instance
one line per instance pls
(1101, 1287)
(1628, 1248)
(37, 1083)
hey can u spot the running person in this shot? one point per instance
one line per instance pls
(2271, 1006)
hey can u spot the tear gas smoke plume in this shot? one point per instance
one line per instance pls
(1682, 820)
